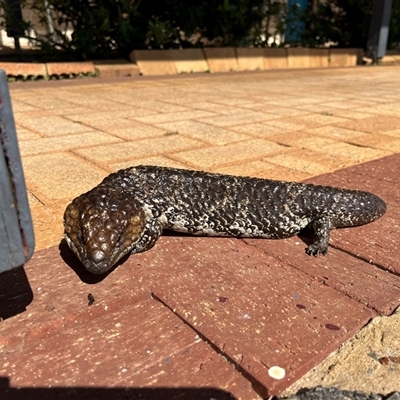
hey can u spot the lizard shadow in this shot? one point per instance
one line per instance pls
(87, 277)
(306, 236)
(73, 262)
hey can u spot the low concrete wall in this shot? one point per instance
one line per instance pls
(45, 70)
(225, 59)
(103, 68)
(188, 61)
(275, 58)
(24, 69)
(154, 62)
(172, 62)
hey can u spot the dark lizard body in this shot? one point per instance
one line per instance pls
(128, 211)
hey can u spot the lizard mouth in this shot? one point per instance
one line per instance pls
(97, 262)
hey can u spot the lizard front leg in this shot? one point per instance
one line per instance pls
(152, 231)
(321, 229)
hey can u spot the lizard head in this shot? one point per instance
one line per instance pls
(101, 226)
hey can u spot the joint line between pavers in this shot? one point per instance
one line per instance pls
(358, 257)
(256, 384)
(359, 300)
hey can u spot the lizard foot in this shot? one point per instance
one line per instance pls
(316, 249)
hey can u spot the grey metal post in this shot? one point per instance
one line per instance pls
(379, 29)
(16, 232)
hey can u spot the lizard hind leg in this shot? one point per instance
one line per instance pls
(321, 228)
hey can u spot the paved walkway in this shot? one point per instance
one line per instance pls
(286, 125)
(213, 297)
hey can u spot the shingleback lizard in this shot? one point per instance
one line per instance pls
(128, 210)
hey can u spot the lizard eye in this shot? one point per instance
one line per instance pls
(121, 239)
(80, 235)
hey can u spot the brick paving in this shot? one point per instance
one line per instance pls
(286, 125)
(291, 125)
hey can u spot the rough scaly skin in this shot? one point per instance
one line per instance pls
(127, 212)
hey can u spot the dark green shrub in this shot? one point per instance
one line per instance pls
(346, 23)
(113, 28)
(100, 28)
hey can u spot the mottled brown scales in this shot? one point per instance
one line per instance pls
(127, 212)
(102, 225)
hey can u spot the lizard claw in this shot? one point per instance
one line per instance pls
(315, 250)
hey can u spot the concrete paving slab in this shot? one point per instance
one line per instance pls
(20, 106)
(383, 142)
(203, 132)
(258, 129)
(111, 125)
(105, 154)
(174, 116)
(319, 119)
(375, 124)
(47, 213)
(287, 124)
(152, 160)
(388, 108)
(53, 126)
(43, 170)
(351, 152)
(236, 119)
(160, 106)
(26, 134)
(135, 130)
(261, 169)
(114, 115)
(94, 102)
(350, 114)
(309, 162)
(67, 142)
(212, 157)
(215, 107)
(44, 102)
(49, 112)
(334, 132)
